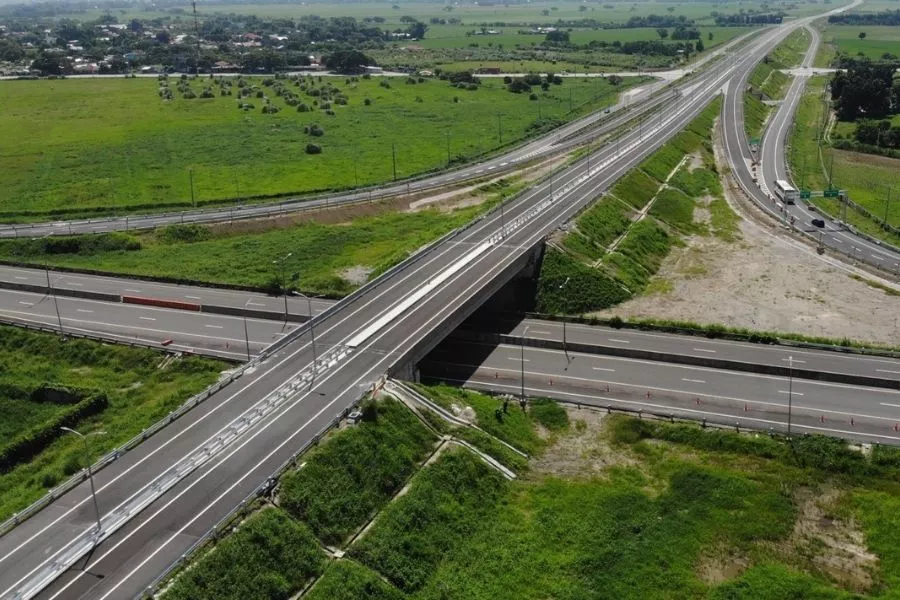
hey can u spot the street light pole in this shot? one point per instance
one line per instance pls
(565, 346)
(87, 457)
(522, 349)
(312, 330)
(279, 262)
(246, 333)
(790, 391)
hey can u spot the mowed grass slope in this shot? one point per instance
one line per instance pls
(109, 145)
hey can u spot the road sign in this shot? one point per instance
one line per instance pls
(754, 141)
(831, 193)
(804, 194)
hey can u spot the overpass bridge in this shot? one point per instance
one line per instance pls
(166, 493)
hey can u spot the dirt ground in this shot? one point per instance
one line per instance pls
(766, 281)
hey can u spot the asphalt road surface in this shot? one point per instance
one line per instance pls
(721, 396)
(159, 498)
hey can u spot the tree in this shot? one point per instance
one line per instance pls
(700, 47)
(862, 35)
(51, 64)
(163, 37)
(417, 30)
(557, 37)
(348, 61)
(663, 33)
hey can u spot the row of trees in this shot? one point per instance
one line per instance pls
(866, 90)
(877, 133)
(890, 18)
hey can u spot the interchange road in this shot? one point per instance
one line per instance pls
(720, 396)
(773, 166)
(161, 497)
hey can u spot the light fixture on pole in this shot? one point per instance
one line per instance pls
(790, 392)
(522, 350)
(312, 329)
(246, 333)
(565, 346)
(279, 263)
(87, 458)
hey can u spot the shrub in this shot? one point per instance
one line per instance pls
(183, 233)
(367, 102)
(313, 149)
(588, 289)
(355, 472)
(302, 107)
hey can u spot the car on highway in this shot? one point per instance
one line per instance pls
(818, 222)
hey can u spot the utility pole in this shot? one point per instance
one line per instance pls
(279, 263)
(312, 331)
(565, 346)
(394, 159)
(500, 129)
(790, 392)
(522, 350)
(570, 99)
(887, 205)
(87, 458)
(191, 177)
(246, 332)
(448, 147)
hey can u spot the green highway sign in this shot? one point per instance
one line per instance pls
(754, 141)
(831, 193)
(805, 194)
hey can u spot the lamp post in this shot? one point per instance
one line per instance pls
(565, 346)
(246, 333)
(790, 391)
(87, 457)
(279, 263)
(50, 291)
(522, 350)
(312, 330)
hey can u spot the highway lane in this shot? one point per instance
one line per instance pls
(174, 330)
(193, 294)
(359, 342)
(636, 102)
(759, 401)
(702, 347)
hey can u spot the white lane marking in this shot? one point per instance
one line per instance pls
(792, 393)
(540, 332)
(618, 341)
(193, 297)
(254, 304)
(20, 277)
(704, 350)
(75, 283)
(794, 360)
(518, 359)
(604, 369)
(147, 318)
(887, 371)
(132, 290)
(889, 404)
(693, 380)
(84, 310)
(213, 326)
(23, 303)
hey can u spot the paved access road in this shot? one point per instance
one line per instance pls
(223, 450)
(758, 401)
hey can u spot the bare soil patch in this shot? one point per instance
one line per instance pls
(767, 281)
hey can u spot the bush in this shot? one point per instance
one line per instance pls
(303, 107)
(314, 130)
(270, 557)
(367, 102)
(355, 472)
(313, 149)
(346, 580)
(549, 414)
(588, 289)
(183, 233)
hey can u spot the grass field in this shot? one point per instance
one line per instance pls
(878, 40)
(139, 393)
(81, 146)
(321, 252)
(865, 177)
(790, 52)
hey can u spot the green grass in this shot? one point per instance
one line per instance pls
(603, 222)
(446, 501)
(755, 115)
(640, 254)
(321, 252)
(790, 53)
(588, 289)
(675, 208)
(636, 188)
(661, 163)
(270, 557)
(139, 393)
(354, 473)
(88, 146)
(347, 580)
(724, 222)
(878, 41)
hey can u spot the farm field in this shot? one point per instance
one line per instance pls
(103, 146)
(138, 386)
(864, 176)
(878, 40)
(636, 508)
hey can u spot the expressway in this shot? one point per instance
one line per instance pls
(161, 497)
(720, 396)
(773, 166)
(637, 102)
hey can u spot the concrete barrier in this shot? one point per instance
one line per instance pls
(239, 311)
(700, 361)
(161, 302)
(42, 289)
